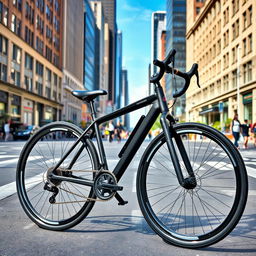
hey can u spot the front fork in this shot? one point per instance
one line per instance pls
(167, 122)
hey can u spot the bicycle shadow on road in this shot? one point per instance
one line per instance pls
(243, 236)
(113, 223)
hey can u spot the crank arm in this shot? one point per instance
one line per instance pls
(111, 187)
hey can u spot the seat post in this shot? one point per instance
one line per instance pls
(93, 112)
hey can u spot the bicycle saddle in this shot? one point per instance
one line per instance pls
(88, 95)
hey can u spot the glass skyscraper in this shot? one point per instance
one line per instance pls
(176, 38)
(89, 48)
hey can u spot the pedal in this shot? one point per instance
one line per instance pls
(120, 200)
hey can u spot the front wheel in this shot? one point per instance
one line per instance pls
(203, 215)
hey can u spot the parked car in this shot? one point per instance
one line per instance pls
(24, 132)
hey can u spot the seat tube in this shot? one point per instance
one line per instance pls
(103, 160)
(167, 131)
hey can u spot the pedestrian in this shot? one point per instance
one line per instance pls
(253, 130)
(111, 129)
(7, 130)
(235, 128)
(119, 129)
(245, 132)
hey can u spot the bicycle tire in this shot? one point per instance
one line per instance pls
(40, 153)
(186, 226)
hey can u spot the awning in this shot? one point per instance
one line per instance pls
(209, 110)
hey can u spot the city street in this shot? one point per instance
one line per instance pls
(109, 229)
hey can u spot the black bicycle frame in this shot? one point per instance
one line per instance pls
(159, 106)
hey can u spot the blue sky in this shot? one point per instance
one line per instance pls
(134, 20)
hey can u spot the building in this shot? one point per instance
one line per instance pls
(109, 7)
(176, 39)
(101, 52)
(221, 39)
(118, 86)
(30, 61)
(125, 98)
(73, 46)
(163, 54)
(158, 24)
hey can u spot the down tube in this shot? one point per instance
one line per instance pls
(136, 141)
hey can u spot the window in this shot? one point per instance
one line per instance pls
(247, 71)
(245, 21)
(225, 83)
(28, 62)
(250, 43)
(17, 4)
(234, 78)
(39, 45)
(48, 13)
(3, 72)
(3, 14)
(29, 36)
(40, 5)
(15, 77)
(48, 92)
(48, 53)
(39, 88)
(29, 13)
(244, 47)
(39, 24)
(56, 60)
(28, 83)
(48, 75)
(3, 45)
(16, 54)
(16, 25)
(250, 16)
(39, 69)
(49, 34)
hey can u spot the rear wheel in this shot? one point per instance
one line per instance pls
(56, 205)
(203, 215)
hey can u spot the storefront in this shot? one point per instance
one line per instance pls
(15, 108)
(28, 108)
(3, 103)
(247, 102)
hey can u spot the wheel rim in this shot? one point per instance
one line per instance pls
(43, 152)
(199, 213)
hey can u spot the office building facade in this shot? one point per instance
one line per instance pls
(109, 7)
(222, 41)
(118, 86)
(30, 61)
(176, 39)
(73, 46)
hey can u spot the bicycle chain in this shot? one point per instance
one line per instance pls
(87, 198)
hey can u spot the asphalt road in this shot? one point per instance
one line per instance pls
(109, 229)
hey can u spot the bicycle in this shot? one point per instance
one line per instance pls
(191, 181)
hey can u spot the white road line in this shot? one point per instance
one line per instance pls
(10, 189)
(15, 160)
(134, 182)
(9, 156)
(251, 171)
(232, 192)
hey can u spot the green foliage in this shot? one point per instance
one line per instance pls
(216, 125)
(157, 124)
(228, 123)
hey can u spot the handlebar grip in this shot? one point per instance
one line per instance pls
(187, 76)
(169, 57)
